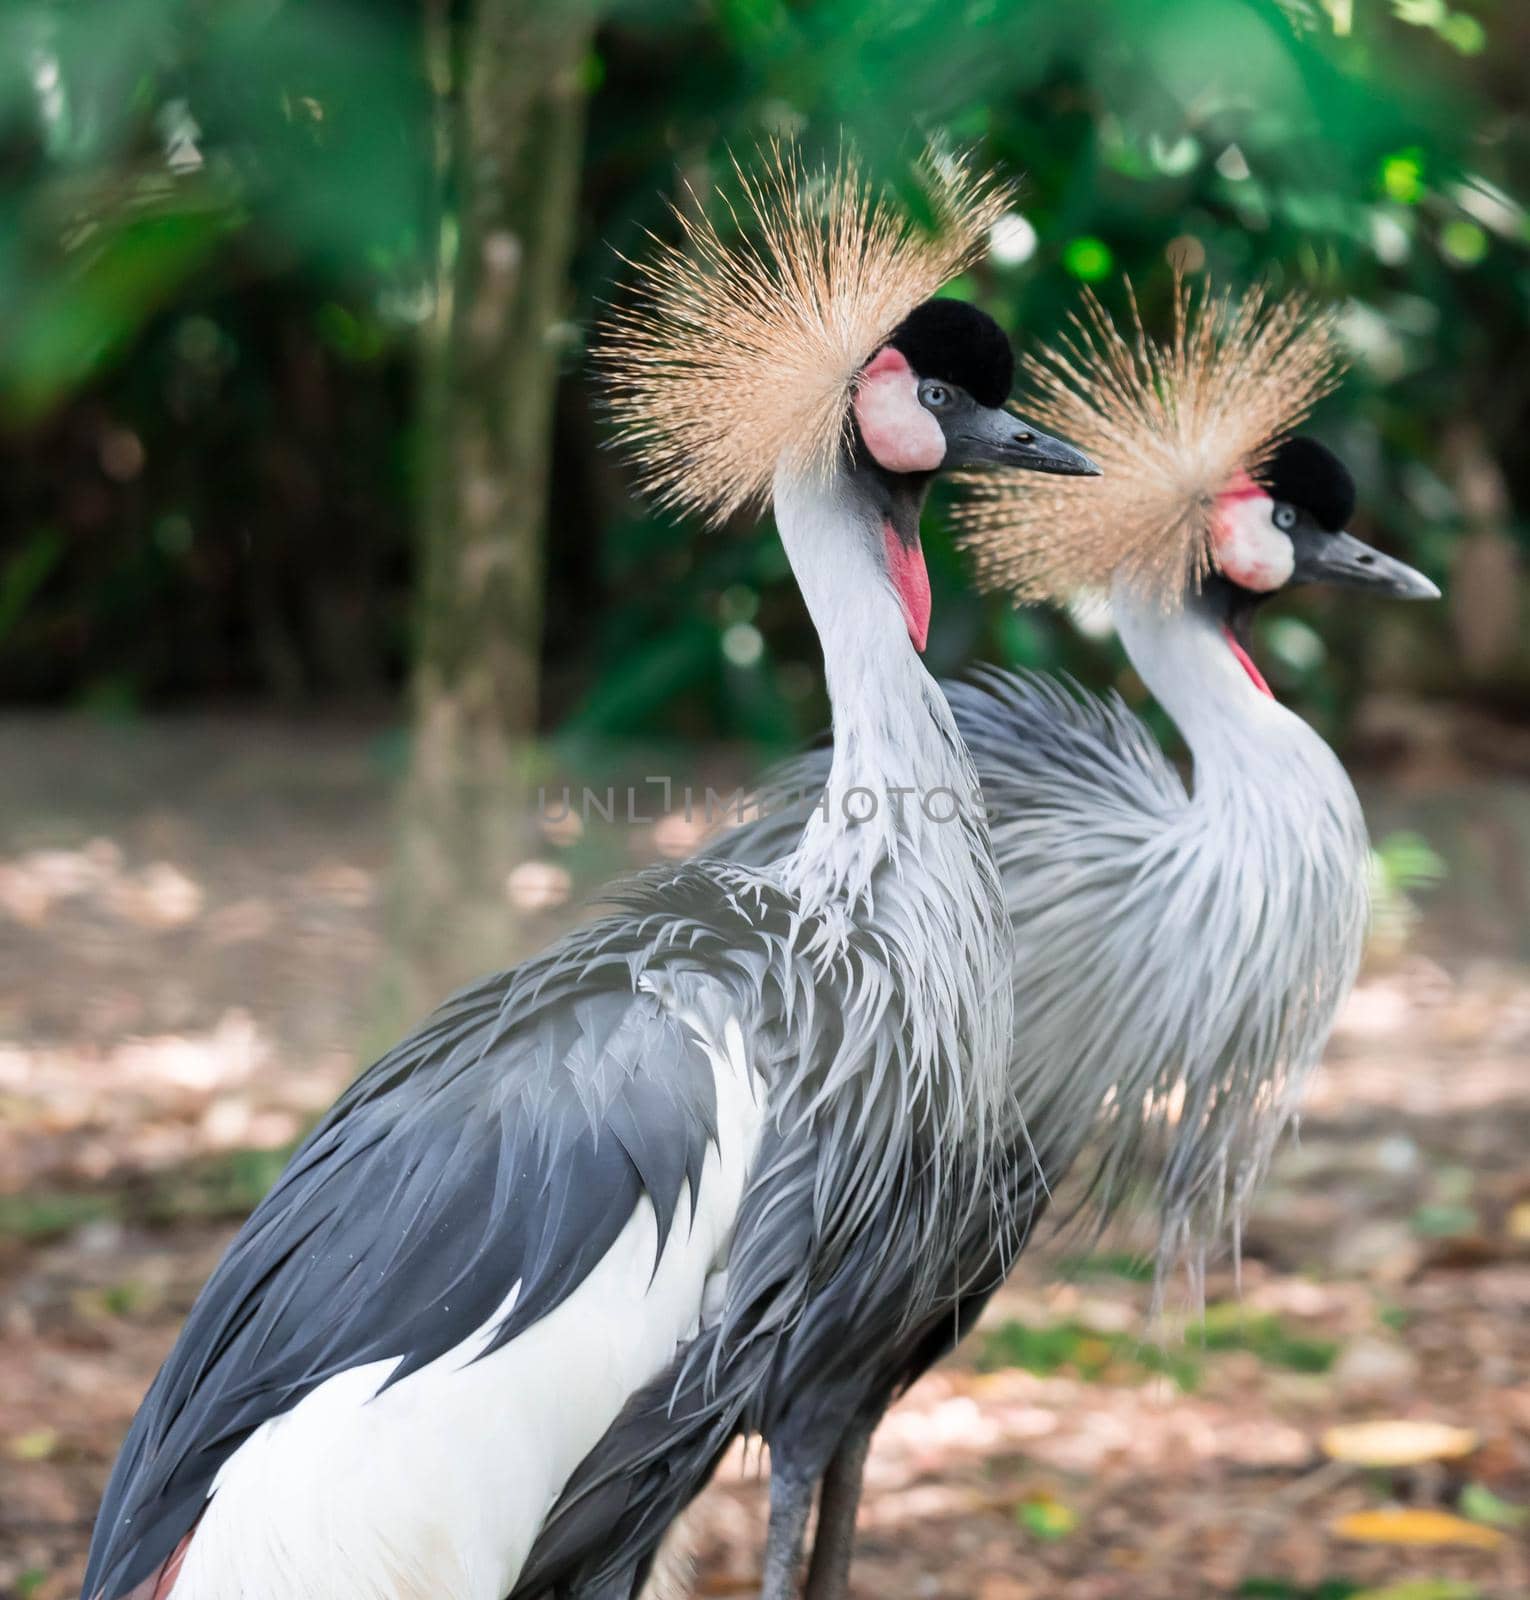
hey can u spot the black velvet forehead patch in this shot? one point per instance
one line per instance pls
(1309, 476)
(953, 341)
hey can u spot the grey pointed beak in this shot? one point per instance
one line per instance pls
(1343, 561)
(989, 437)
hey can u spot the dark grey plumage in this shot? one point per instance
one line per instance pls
(508, 1139)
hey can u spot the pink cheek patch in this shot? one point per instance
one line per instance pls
(900, 434)
(1248, 546)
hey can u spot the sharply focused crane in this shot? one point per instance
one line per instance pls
(1180, 954)
(690, 1114)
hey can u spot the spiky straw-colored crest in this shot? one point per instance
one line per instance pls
(742, 350)
(1171, 425)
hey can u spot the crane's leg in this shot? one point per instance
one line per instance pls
(791, 1498)
(838, 1502)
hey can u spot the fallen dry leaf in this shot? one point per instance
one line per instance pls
(1415, 1525)
(37, 1445)
(1397, 1442)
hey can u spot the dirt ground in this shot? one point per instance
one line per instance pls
(191, 923)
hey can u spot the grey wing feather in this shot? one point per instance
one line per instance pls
(1037, 740)
(508, 1139)
(659, 1453)
(755, 1372)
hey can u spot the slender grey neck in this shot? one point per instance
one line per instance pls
(1235, 732)
(897, 856)
(899, 767)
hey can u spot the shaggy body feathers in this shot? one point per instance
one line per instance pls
(870, 1172)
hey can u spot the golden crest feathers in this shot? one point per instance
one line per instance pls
(1171, 425)
(740, 353)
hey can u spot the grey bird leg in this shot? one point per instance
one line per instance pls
(791, 1498)
(839, 1500)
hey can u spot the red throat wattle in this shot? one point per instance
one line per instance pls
(912, 581)
(1246, 661)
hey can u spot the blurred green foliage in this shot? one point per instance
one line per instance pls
(1100, 1356)
(227, 1184)
(1233, 1327)
(1093, 1356)
(217, 235)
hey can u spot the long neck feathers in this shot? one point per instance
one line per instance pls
(897, 851)
(1186, 962)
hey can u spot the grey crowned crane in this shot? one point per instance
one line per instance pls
(1180, 953)
(684, 1114)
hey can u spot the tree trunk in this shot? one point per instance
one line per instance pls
(510, 151)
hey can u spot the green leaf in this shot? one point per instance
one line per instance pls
(1480, 1504)
(1402, 176)
(1282, 1589)
(25, 573)
(38, 1216)
(1096, 1357)
(1464, 242)
(1409, 861)
(1045, 1517)
(1422, 1589)
(36, 1445)
(1444, 1221)
(1109, 1264)
(1464, 33)
(82, 317)
(1231, 1327)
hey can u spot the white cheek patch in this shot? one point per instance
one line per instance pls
(1248, 546)
(900, 434)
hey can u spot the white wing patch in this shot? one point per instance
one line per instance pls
(436, 1488)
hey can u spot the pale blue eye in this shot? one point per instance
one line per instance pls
(1285, 518)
